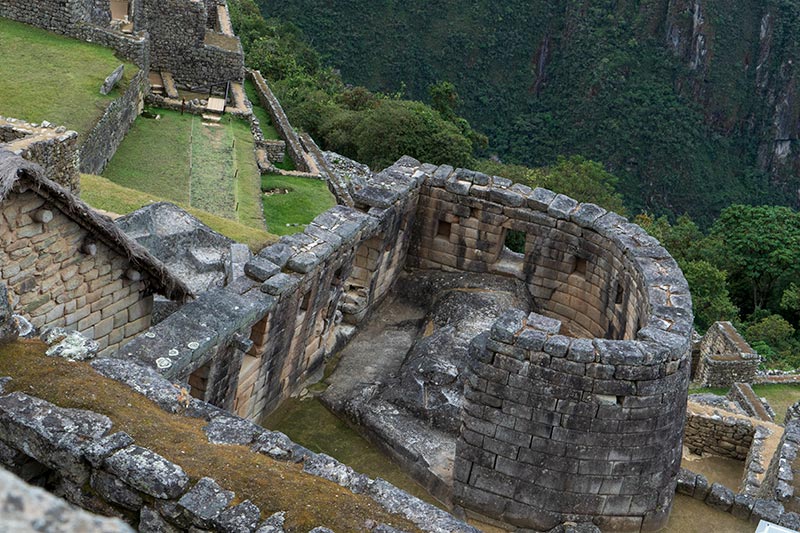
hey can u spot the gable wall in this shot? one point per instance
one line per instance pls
(52, 282)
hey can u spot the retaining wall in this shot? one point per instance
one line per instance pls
(87, 20)
(279, 120)
(102, 142)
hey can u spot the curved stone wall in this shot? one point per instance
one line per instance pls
(577, 415)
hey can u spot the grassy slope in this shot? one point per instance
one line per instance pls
(178, 159)
(154, 157)
(307, 198)
(108, 196)
(67, 91)
(261, 114)
(181, 439)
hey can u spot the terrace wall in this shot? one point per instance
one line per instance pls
(102, 142)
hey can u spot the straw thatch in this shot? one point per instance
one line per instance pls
(15, 170)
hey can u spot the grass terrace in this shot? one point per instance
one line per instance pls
(44, 76)
(106, 195)
(179, 159)
(292, 202)
(308, 501)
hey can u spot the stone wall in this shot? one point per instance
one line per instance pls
(87, 20)
(603, 443)
(179, 43)
(275, 150)
(52, 281)
(74, 453)
(712, 429)
(782, 480)
(718, 435)
(249, 346)
(744, 395)
(725, 357)
(52, 147)
(575, 268)
(279, 120)
(102, 142)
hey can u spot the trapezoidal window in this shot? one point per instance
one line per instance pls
(444, 229)
(515, 241)
(580, 266)
(620, 294)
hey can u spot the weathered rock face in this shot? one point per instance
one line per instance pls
(431, 381)
(8, 324)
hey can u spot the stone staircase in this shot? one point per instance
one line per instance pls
(214, 110)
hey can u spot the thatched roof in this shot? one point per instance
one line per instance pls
(16, 170)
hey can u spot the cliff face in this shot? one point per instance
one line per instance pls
(693, 103)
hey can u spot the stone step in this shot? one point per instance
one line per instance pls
(169, 84)
(209, 117)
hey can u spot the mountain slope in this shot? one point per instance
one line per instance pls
(694, 104)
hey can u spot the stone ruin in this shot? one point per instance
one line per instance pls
(724, 358)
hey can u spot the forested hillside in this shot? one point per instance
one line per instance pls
(693, 104)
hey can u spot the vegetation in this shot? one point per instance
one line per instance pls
(67, 92)
(211, 168)
(292, 202)
(744, 269)
(106, 195)
(577, 177)
(598, 79)
(374, 128)
(181, 440)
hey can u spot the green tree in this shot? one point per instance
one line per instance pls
(759, 247)
(773, 330)
(710, 297)
(576, 176)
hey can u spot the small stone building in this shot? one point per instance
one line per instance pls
(725, 358)
(66, 265)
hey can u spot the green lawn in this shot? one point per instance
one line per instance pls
(108, 196)
(779, 396)
(306, 199)
(178, 159)
(44, 76)
(267, 128)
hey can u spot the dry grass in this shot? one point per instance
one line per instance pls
(272, 485)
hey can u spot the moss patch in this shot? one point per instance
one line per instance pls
(272, 485)
(44, 76)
